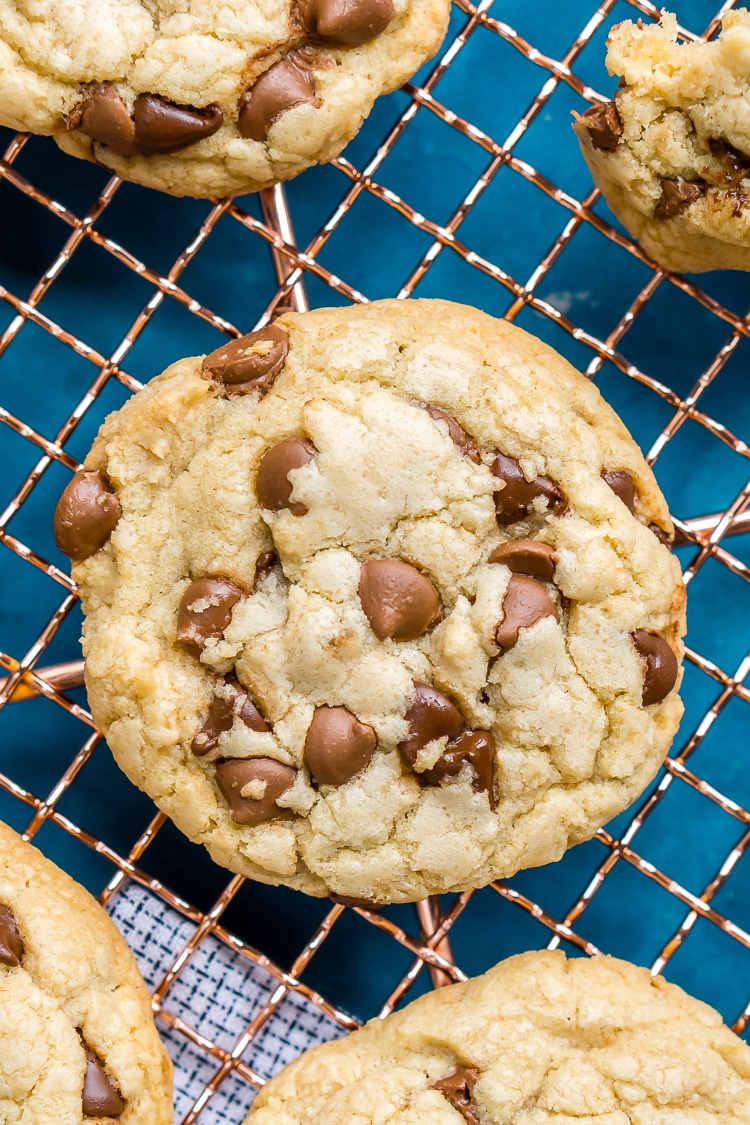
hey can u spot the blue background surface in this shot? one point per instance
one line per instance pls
(593, 282)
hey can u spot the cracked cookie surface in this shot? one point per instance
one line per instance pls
(537, 1039)
(77, 1038)
(671, 151)
(363, 615)
(200, 98)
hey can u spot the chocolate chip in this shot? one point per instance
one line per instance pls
(234, 774)
(475, 748)
(264, 565)
(250, 363)
(660, 674)
(100, 1098)
(205, 611)
(272, 484)
(662, 535)
(234, 702)
(738, 197)
(86, 515)
(458, 434)
(604, 125)
(430, 716)
(11, 946)
(526, 601)
(287, 83)
(514, 502)
(348, 23)
(676, 196)
(337, 746)
(526, 556)
(162, 126)
(458, 1088)
(623, 485)
(400, 603)
(104, 117)
(738, 161)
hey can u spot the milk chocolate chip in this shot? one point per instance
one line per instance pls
(458, 434)
(458, 1088)
(663, 536)
(348, 23)
(11, 946)
(162, 126)
(337, 746)
(233, 703)
(661, 666)
(526, 556)
(738, 161)
(526, 601)
(252, 785)
(272, 484)
(250, 363)
(430, 716)
(205, 611)
(473, 748)
(514, 501)
(104, 117)
(287, 83)
(400, 603)
(623, 485)
(604, 125)
(100, 1098)
(264, 565)
(676, 196)
(86, 515)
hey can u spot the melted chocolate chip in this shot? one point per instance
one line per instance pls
(430, 716)
(473, 748)
(738, 197)
(272, 778)
(400, 603)
(662, 535)
(458, 434)
(250, 363)
(287, 83)
(623, 485)
(526, 556)
(11, 946)
(232, 704)
(676, 196)
(738, 161)
(264, 565)
(86, 515)
(348, 23)
(604, 126)
(104, 117)
(205, 611)
(272, 484)
(337, 746)
(100, 1098)
(526, 601)
(162, 126)
(458, 1088)
(661, 666)
(514, 502)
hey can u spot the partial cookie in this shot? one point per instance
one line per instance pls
(77, 1036)
(202, 98)
(378, 601)
(538, 1039)
(671, 151)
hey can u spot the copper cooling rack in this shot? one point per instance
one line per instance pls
(428, 936)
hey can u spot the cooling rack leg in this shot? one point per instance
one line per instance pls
(276, 215)
(429, 918)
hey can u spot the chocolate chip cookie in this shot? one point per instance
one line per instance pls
(206, 99)
(379, 601)
(536, 1040)
(671, 151)
(77, 1037)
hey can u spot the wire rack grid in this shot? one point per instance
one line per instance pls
(666, 883)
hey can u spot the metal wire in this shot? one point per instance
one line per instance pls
(708, 533)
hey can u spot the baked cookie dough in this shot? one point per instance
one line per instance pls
(202, 98)
(671, 151)
(77, 1036)
(378, 601)
(537, 1039)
